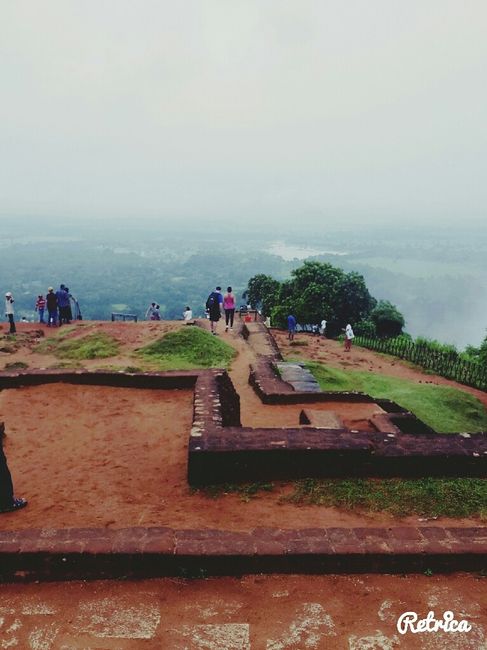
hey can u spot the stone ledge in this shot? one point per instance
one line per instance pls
(49, 554)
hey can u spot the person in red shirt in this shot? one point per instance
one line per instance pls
(40, 307)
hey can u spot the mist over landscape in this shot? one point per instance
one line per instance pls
(437, 281)
(149, 152)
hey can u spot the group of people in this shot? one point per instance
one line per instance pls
(57, 304)
(320, 330)
(217, 305)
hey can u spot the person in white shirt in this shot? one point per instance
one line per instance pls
(9, 311)
(323, 328)
(188, 315)
(349, 335)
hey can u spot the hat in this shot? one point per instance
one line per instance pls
(8, 294)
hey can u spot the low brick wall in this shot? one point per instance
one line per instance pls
(158, 380)
(243, 454)
(88, 553)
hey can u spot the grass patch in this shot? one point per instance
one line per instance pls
(16, 365)
(188, 348)
(246, 491)
(428, 497)
(299, 344)
(93, 346)
(443, 408)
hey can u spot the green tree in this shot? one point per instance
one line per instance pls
(388, 319)
(262, 292)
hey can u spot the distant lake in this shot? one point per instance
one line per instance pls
(288, 252)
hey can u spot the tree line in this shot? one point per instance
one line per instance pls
(319, 290)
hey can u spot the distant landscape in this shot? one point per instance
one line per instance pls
(436, 279)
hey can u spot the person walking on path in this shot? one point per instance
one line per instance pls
(214, 305)
(40, 307)
(9, 311)
(291, 327)
(8, 502)
(51, 302)
(229, 307)
(349, 336)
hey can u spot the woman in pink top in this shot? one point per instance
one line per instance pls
(229, 307)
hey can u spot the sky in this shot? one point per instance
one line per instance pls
(269, 109)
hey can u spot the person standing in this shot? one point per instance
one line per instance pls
(149, 314)
(291, 327)
(9, 311)
(40, 307)
(349, 336)
(8, 502)
(51, 302)
(229, 307)
(214, 305)
(63, 305)
(323, 328)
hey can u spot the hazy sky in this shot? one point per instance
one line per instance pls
(221, 108)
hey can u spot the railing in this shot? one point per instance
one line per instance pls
(445, 363)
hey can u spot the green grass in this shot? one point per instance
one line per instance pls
(443, 408)
(93, 346)
(16, 365)
(428, 497)
(188, 348)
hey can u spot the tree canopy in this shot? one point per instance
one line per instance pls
(318, 291)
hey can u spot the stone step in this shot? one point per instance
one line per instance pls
(92, 553)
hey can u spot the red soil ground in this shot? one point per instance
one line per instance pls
(98, 456)
(52, 459)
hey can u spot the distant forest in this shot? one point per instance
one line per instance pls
(437, 282)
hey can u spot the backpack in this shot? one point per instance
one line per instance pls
(212, 301)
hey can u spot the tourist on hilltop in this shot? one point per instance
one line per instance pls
(40, 307)
(323, 328)
(188, 314)
(150, 311)
(8, 502)
(291, 327)
(156, 313)
(229, 307)
(349, 336)
(63, 305)
(214, 304)
(69, 311)
(51, 303)
(9, 311)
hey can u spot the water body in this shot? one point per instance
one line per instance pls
(292, 252)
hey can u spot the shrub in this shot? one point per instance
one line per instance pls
(387, 319)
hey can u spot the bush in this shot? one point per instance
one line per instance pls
(387, 319)
(365, 328)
